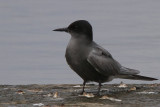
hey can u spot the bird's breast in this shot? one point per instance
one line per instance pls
(76, 53)
(74, 57)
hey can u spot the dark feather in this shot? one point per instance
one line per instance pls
(103, 62)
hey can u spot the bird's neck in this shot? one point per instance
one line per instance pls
(80, 40)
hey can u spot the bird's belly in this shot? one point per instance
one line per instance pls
(80, 65)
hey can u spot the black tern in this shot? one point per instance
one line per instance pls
(91, 61)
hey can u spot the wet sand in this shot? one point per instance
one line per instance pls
(66, 95)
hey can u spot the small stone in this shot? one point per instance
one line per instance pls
(49, 95)
(104, 97)
(122, 85)
(38, 104)
(55, 95)
(133, 89)
(88, 95)
(20, 92)
(110, 98)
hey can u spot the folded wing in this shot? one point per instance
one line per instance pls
(103, 62)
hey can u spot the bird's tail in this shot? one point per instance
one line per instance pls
(137, 77)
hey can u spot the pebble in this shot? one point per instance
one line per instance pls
(38, 104)
(122, 85)
(88, 95)
(110, 98)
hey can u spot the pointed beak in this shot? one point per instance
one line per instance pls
(61, 29)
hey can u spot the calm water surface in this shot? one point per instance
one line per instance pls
(30, 53)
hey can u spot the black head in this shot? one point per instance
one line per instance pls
(80, 27)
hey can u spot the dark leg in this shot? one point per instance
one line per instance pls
(99, 88)
(84, 83)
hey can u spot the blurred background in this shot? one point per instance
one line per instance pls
(31, 53)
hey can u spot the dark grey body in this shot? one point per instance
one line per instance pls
(92, 62)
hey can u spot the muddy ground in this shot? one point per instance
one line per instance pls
(66, 95)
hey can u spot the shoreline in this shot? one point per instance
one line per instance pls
(66, 95)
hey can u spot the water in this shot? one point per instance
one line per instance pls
(30, 53)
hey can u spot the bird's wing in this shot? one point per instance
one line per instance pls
(103, 62)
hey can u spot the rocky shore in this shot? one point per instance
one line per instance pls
(68, 95)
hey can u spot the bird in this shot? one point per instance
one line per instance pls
(92, 62)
